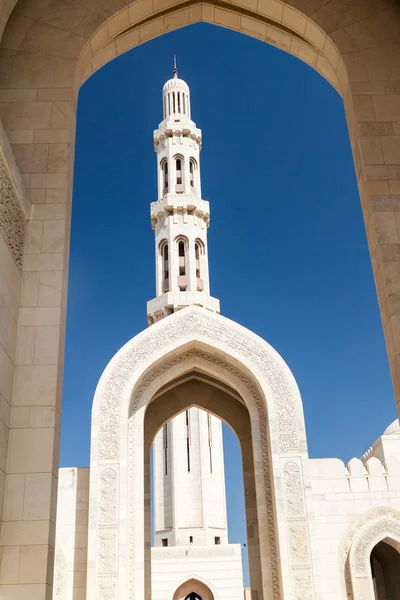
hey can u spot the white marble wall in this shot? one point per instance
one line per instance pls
(219, 567)
(343, 495)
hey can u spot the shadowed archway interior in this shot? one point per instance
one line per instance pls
(385, 570)
(205, 392)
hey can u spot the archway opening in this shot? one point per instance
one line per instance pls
(193, 589)
(385, 571)
(201, 398)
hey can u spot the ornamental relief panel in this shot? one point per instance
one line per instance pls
(107, 557)
(108, 497)
(297, 531)
(211, 328)
(12, 218)
(303, 586)
(107, 590)
(293, 490)
(298, 543)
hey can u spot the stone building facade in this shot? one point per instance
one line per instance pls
(315, 527)
(48, 49)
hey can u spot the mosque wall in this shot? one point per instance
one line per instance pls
(341, 495)
(219, 567)
(14, 212)
(70, 566)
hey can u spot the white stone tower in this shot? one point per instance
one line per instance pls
(190, 523)
(189, 482)
(189, 487)
(179, 217)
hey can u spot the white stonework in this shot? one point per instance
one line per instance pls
(179, 217)
(316, 529)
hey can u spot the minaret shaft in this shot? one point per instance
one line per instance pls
(189, 481)
(180, 217)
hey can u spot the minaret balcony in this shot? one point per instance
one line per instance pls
(172, 301)
(172, 202)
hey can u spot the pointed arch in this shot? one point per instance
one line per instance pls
(379, 525)
(195, 338)
(194, 585)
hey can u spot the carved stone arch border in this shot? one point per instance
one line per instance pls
(117, 443)
(205, 360)
(377, 525)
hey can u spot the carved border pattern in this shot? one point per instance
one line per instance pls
(12, 218)
(108, 497)
(376, 532)
(107, 533)
(214, 329)
(274, 561)
(297, 531)
(293, 490)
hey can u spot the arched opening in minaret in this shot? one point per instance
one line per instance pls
(385, 571)
(195, 523)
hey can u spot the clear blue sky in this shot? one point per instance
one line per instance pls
(287, 246)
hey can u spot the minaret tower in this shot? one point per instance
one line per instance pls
(189, 482)
(180, 217)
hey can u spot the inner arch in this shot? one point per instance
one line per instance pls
(194, 390)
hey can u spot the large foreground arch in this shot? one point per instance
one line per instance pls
(195, 339)
(48, 47)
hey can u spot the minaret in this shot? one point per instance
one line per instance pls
(180, 217)
(189, 481)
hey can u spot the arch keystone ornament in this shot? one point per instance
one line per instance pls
(376, 526)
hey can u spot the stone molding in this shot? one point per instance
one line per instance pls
(12, 218)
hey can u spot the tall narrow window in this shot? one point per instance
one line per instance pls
(210, 440)
(191, 172)
(173, 102)
(165, 440)
(165, 268)
(169, 104)
(188, 440)
(165, 176)
(197, 254)
(178, 171)
(184, 103)
(179, 102)
(181, 252)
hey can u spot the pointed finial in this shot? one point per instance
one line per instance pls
(175, 71)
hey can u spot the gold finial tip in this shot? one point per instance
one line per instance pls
(175, 71)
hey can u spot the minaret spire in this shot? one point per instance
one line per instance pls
(180, 217)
